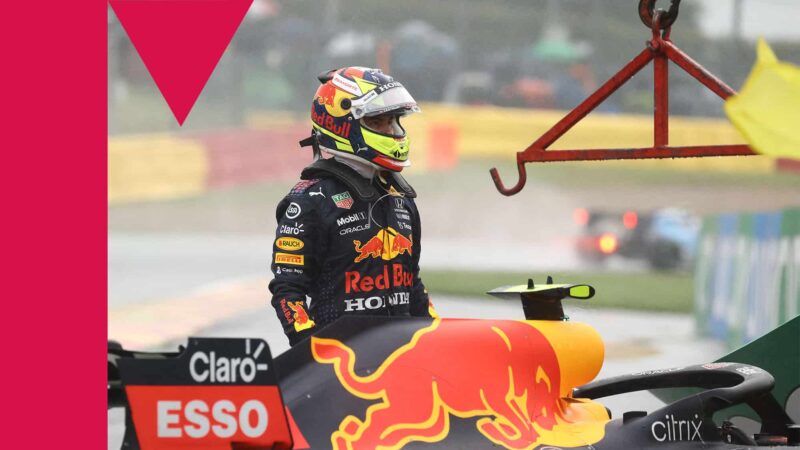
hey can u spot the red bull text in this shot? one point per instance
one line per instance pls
(356, 282)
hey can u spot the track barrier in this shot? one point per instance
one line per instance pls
(747, 274)
(164, 166)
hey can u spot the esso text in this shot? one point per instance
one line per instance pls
(223, 419)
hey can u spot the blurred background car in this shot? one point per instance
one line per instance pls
(665, 239)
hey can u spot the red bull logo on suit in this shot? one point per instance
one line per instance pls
(386, 244)
(510, 379)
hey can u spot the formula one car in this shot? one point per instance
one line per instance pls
(666, 238)
(391, 383)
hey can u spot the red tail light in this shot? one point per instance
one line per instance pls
(581, 216)
(630, 219)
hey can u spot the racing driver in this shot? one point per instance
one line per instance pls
(348, 236)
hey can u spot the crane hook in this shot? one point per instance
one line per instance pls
(647, 9)
(498, 183)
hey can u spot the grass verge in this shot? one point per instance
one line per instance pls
(665, 292)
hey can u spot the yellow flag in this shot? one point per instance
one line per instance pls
(767, 110)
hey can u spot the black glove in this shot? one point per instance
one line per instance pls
(299, 336)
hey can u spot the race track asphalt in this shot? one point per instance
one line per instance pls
(158, 281)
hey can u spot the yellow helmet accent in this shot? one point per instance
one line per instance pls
(391, 147)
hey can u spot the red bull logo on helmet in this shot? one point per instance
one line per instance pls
(386, 244)
(510, 379)
(332, 124)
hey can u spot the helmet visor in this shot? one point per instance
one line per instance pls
(391, 97)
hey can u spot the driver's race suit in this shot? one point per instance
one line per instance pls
(345, 245)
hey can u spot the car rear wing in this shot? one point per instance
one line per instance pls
(215, 393)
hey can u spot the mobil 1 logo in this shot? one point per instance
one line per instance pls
(217, 391)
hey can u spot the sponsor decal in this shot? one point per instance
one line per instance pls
(303, 185)
(355, 217)
(279, 270)
(287, 258)
(671, 430)
(403, 216)
(197, 417)
(532, 384)
(385, 87)
(387, 245)
(216, 393)
(399, 203)
(346, 85)
(287, 312)
(376, 302)
(289, 244)
(748, 370)
(404, 225)
(349, 230)
(393, 192)
(295, 230)
(343, 200)
(719, 365)
(357, 282)
(366, 98)
(657, 371)
(293, 211)
(326, 94)
(208, 366)
(313, 193)
(300, 316)
(325, 120)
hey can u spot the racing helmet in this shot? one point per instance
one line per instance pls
(348, 96)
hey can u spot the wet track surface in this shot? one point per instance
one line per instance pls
(153, 266)
(150, 266)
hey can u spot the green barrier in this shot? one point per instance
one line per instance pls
(790, 265)
(747, 292)
(747, 277)
(777, 352)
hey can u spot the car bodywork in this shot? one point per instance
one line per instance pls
(406, 382)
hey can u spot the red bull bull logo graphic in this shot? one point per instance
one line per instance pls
(300, 316)
(387, 244)
(510, 379)
(331, 98)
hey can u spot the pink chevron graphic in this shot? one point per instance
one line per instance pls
(180, 42)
